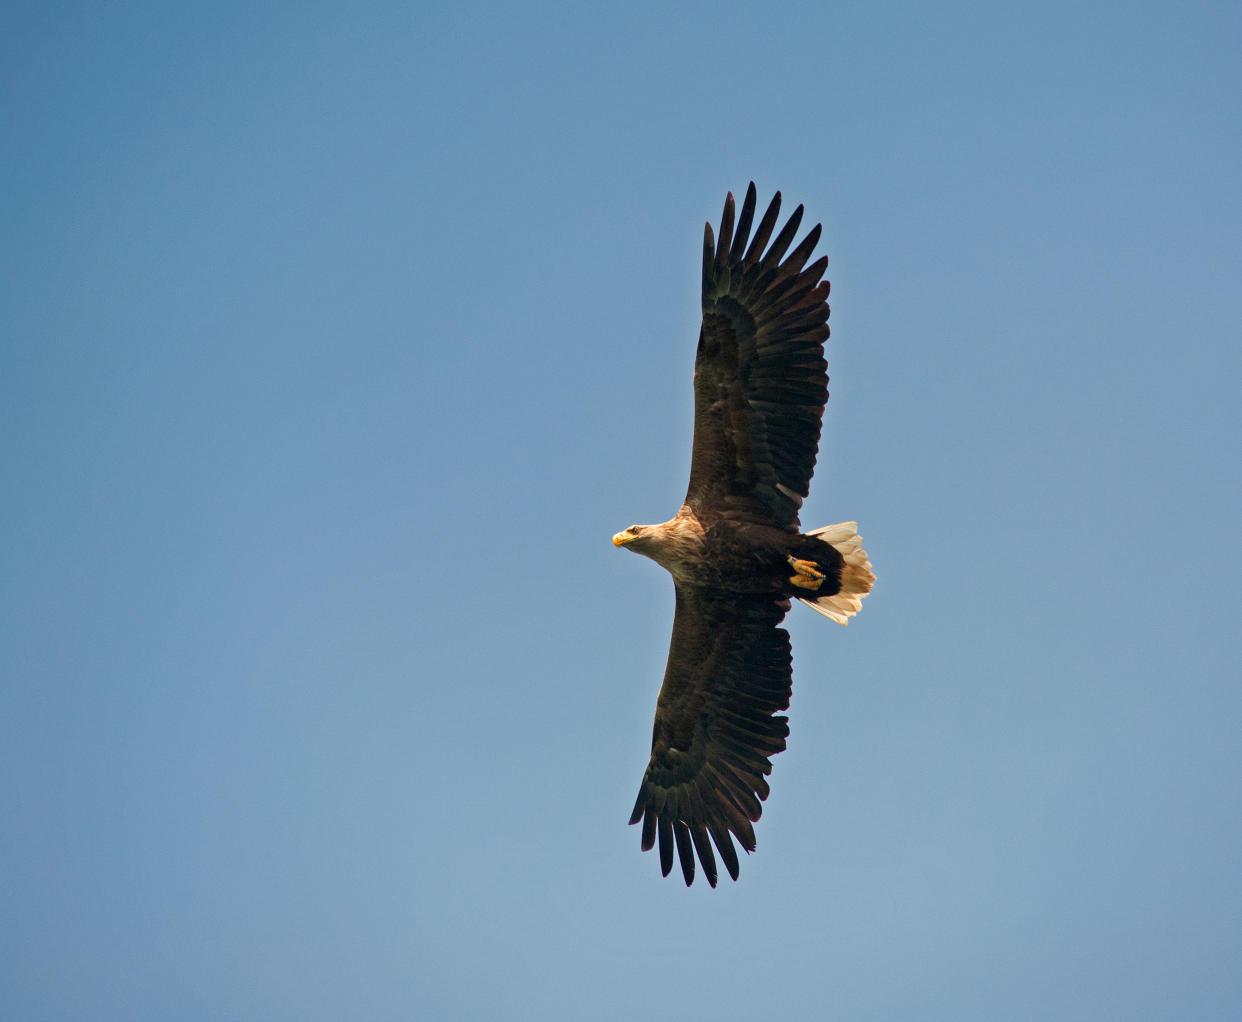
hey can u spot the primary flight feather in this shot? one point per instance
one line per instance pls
(734, 549)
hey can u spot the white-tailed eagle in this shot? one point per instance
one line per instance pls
(735, 549)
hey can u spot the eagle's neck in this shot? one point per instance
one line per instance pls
(677, 544)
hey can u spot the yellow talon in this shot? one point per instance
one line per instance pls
(808, 574)
(805, 567)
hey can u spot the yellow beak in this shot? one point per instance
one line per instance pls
(621, 538)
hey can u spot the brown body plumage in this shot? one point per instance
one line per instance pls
(734, 549)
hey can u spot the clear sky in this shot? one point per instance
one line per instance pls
(337, 340)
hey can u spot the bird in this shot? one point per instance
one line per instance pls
(734, 549)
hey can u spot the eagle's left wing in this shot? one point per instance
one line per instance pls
(760, 380)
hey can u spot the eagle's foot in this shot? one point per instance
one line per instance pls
(806, 573)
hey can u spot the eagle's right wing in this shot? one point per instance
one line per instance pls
(729, 672)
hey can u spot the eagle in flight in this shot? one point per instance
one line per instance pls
(735, 549)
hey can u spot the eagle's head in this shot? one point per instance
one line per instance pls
(676, 544)
(634, 537)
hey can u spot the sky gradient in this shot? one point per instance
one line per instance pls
(335, 344)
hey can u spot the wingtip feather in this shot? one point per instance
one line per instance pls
(666, 845)
(742, 231)
(726, 232)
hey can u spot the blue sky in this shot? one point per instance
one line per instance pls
(336, 342)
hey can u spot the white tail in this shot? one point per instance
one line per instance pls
(856, 576)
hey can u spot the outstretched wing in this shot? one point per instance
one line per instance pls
(760, 379)
(729, 671)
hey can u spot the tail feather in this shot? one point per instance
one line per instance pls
(856, 575)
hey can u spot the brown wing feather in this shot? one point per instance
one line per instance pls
(760, 379)
(729, 671)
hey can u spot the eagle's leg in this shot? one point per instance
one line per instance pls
(806, 573)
